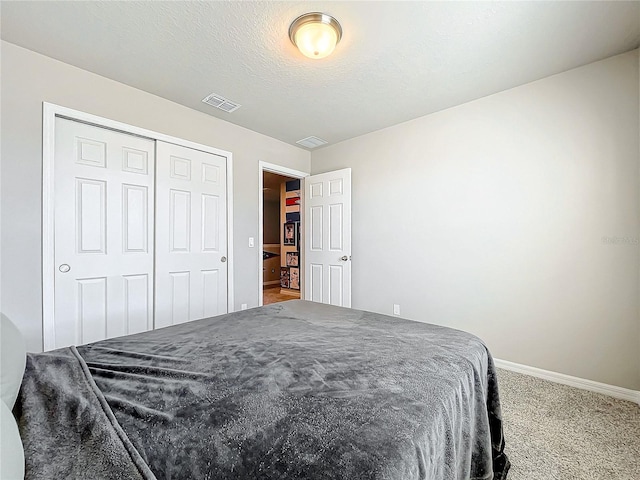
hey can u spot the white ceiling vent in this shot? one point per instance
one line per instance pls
(311, 142)
(220, 102)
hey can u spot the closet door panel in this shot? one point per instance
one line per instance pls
(103, 233)
(191, 235)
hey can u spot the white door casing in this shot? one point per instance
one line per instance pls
(327, 239)
(103, 254)
(191, 234)
(285, 172)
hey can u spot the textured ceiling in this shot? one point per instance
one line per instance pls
(396, 61)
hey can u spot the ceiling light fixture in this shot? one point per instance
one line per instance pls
(315, 34)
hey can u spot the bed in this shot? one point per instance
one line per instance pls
(295, 390)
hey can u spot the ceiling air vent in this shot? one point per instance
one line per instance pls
(220, 102)
(311, 142)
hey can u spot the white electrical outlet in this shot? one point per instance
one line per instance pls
(250, 242)
(396, 309)
(243, 306)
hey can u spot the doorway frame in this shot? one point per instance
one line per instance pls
(287, 172)
(50, 112)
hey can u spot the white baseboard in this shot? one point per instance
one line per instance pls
(584, 384)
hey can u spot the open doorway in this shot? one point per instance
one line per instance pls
(281, 228)
(280, 245)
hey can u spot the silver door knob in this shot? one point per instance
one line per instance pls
(64, 268)
(344, 258)
(223, 259)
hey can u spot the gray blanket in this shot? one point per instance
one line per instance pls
(289, 391)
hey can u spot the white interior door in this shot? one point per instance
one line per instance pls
(191, 234)
(327, 226)
(104, 190)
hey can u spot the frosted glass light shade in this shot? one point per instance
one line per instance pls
(316, 40)
(315, 34)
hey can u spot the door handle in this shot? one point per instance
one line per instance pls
(64, 268)
(223, 259)
(344, 258)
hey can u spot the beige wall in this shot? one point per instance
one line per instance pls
(490, 217)
(271, 221)
(271, 242)
(28, 79)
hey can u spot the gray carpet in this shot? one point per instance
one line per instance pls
(557, 432)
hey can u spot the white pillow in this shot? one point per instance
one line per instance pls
(11, 452)
(13, 357)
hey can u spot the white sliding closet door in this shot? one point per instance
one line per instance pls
(104, 190)
(191, 234)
